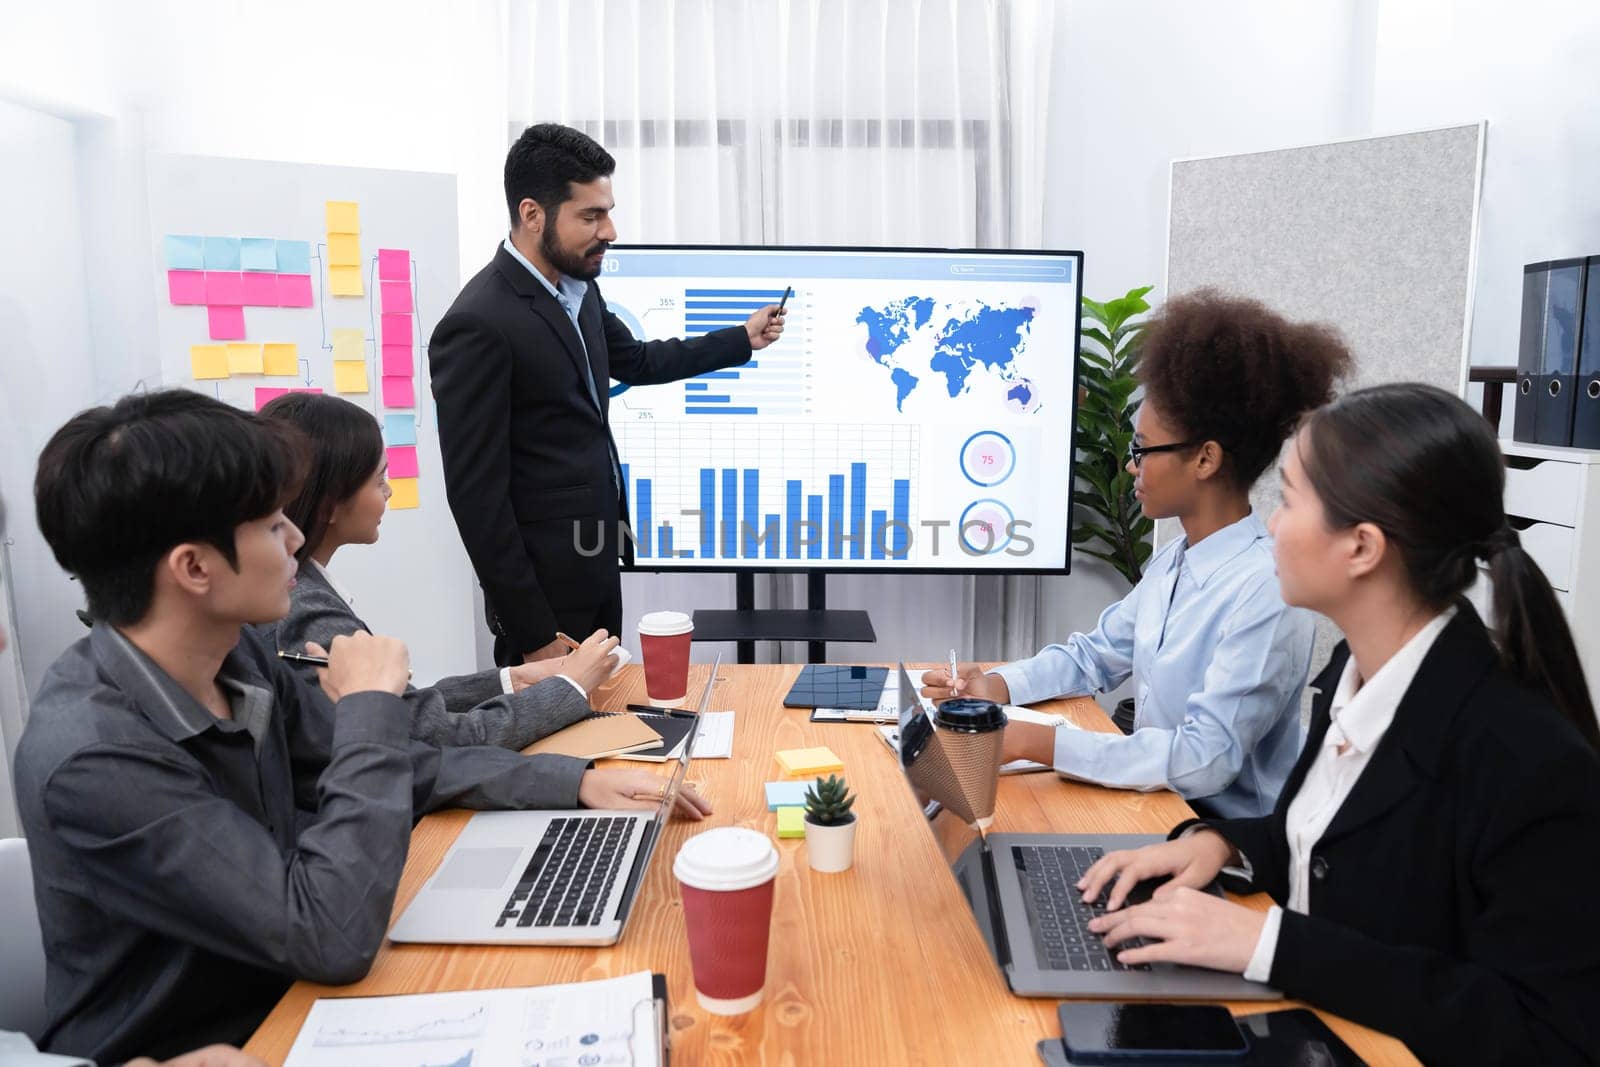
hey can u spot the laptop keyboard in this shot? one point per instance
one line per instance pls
(1058, 916)
(570, 876)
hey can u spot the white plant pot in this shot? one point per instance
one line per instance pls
(830, 848)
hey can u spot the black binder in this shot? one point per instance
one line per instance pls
(1586, 404)
(1530, 351)
(1557, 382)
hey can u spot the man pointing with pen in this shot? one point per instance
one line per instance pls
(521, 367)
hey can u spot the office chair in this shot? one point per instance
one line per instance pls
(21, 944)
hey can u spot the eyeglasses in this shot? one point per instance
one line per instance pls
(1138, 452)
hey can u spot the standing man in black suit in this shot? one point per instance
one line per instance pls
(521, 367)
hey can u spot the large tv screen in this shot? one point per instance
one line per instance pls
(917, 414)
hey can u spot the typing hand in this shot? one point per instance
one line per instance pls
(970, 682)
(1191, 862)
(210, 1056)
(1185, 926)
(612, 790)
(362, 663)
(764, 327)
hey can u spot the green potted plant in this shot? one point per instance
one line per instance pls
(830, 825)
(1110, 524)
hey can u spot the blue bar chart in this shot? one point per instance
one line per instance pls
(788, 493)
(776, 381)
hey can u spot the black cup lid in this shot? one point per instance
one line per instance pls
(965, 714)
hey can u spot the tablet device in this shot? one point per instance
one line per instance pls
(826, 685)
(1112, 1032)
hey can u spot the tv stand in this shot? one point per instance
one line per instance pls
(814, 624)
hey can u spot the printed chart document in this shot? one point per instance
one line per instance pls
(609, 1022)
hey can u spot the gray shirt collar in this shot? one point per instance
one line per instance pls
(169, 707)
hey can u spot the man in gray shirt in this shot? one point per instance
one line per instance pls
(204, 826)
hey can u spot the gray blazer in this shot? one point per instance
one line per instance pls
(468, 709)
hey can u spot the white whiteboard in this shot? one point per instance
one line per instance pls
(13, 699)
(416, 583)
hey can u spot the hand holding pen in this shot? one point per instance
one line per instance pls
(766, 325)
(358, 663)
(954, 680)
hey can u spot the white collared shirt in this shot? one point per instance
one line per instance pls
(1360, 715)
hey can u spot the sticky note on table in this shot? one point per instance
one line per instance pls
(186, 286)
(345, 281)
(397, 330)
(398, 392)
(260, 290)
(349, 344)
(245, 359)
(280, 360)
(809, 761)
(224, 287)
(396, 296)
(344, 216)
(258, 253)
(787, 794)
(294, 257)
(208, 361)
(350, 376)
(221, 253)
(226, 323)
(294, 290)
(397, 360)
(403, 461)
(791, 822)
(403, 494)
(185, 251)
(399, 430)
(344, 250)
(394, 265)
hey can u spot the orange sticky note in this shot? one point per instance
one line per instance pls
(245, 359)
(208, 361)
(344, 216)
(402, 493)
(345, 281)
(809, 761)
(350, 376)
(281, 360)
(344, 250)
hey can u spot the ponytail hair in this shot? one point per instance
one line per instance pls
(1423, 467)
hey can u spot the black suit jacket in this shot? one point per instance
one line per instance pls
(527, 452)
(1455, 897)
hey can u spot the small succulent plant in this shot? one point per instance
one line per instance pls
(828, 803)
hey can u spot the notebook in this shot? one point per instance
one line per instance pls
(672, 728)
(598, 736)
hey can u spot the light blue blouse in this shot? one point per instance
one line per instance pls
(1218, 662)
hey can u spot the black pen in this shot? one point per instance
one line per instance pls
(311, 661)
(788, 291)
(672, 713)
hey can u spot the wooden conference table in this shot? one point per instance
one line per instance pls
(880, 964)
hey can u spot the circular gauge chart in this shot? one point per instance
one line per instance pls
(988, 458)
(985, 527)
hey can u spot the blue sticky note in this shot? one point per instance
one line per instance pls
(185, 252)
(222, 253)
(399, 430)
(258, 253)
(294, 257)
(788, 794)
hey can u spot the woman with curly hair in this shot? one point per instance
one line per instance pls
(1217, 659)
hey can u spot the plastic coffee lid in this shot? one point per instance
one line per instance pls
(726, 859)
(969, 715)
(665, 624)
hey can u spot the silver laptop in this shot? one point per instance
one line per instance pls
(544, 877)
(1020, 889)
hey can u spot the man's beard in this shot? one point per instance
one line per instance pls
(568, 263)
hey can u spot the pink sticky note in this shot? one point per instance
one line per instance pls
(186, 286)
(396, 296)
(224, 287)
(266, 395)
(294, 290)
(394, 265)
(260, 289)
(398, 393)
(397, 360)
(302, 390)
(403, 462)
(397, 330)
(227, 323)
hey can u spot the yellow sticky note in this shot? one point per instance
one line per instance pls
(345, 281)
(809, 761)
(245, 359)
(349, 344)
(344, 216)
(403, 493)
(281, 360)
(344, 250)
(209, 361)
(350, 376)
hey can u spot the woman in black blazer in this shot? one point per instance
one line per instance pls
(1435, 854)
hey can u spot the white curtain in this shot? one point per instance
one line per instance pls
(845, 122)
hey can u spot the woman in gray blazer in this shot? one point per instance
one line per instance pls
(341, 502)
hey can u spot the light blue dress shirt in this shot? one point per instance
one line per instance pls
(1218, 662)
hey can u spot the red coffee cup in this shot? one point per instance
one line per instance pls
(664, 638)
(726, 877)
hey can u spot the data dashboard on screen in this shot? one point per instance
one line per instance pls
(916, 415)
